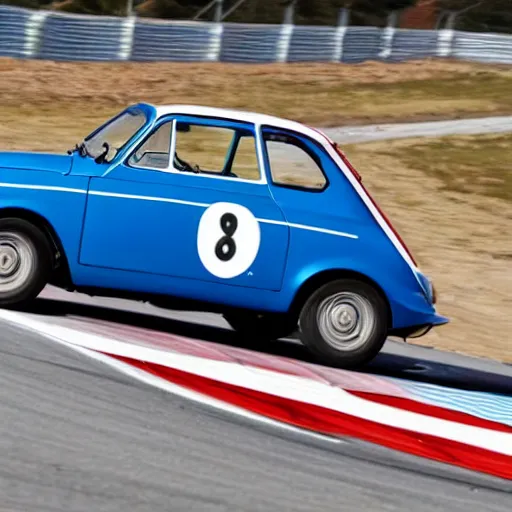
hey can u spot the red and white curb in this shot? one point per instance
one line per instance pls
(274, 388)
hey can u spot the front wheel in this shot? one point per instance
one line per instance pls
(344, 323)
(25, 261)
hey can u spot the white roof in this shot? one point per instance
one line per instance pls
(240, 115)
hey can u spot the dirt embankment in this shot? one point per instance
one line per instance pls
(452, 202)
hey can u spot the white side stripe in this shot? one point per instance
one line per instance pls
(204, 205)
(148, 198)
(174, 201)
(43, 187)
(309, 228)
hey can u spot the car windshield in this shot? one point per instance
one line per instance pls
(116, 134)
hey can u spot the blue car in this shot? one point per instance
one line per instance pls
(258, 218)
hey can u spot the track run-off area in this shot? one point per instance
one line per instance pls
(390, 131)
(115, 405)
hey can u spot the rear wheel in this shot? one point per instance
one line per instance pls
(25, 261)
(264, 327)
(344, 323)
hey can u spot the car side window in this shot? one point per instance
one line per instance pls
(216, 150)
(155, 151)
(292, 163)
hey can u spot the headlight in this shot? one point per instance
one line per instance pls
(428, 288)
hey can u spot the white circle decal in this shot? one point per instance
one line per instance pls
(228, 239)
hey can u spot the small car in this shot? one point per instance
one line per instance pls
(254, 217)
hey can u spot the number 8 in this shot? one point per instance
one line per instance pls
(225, 249)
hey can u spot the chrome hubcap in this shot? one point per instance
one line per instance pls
(9, 260)
(346, 320)
(16, 261)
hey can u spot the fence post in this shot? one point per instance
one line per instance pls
(127, 33)
(219, 6)
(215, 48)
(33, 32)
(343, 22)
(283, 45)
(388, 35)
(445, 36)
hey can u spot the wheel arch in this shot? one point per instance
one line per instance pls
(321, 278)
(61, 275)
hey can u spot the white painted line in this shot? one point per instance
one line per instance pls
(152, 380)
(286, 386)
(165, 385)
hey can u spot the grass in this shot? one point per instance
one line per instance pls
(467, 165)
(451, 198)
(55, 104)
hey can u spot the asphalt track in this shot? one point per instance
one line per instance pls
(371, 133)
(77, 435)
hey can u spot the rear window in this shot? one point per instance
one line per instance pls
(293, 164)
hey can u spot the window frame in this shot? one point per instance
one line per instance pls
(214, 122)
(300, 137)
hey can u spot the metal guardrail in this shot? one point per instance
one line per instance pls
(174, 41)
(68, 37)
(495, 48)
(13, 31)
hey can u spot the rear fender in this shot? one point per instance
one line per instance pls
(400, 288)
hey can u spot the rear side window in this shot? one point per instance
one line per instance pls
(292, 163)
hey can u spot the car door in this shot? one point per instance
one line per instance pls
(206, 213)
(325, 214)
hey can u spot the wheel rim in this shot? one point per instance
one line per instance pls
(346, 321)
(16, 261)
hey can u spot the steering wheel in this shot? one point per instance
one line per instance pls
(185, 165)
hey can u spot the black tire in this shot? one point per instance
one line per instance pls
(25, 261)
(344, 323)
(264, 327)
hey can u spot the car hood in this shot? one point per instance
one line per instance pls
(36, 161)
